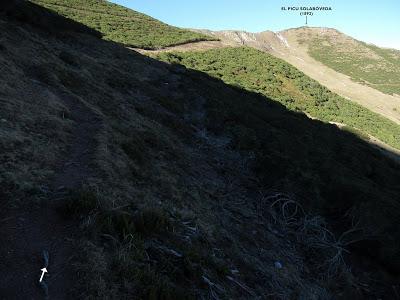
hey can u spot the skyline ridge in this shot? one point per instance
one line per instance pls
(370, 22)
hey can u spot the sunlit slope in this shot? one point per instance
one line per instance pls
(294, 46)
(122, 25)
(365, 63)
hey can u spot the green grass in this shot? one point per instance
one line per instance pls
(122, 25)
(260, 72)
(369, 64)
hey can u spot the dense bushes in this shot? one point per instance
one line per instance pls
(122, 25)
(260, 72)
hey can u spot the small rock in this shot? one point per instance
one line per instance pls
(278, 265)
(177, 254)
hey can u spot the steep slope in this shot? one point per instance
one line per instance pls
(260, 72)
(369, 64)
(136, 30)
(121, 24)
(297, 47)
(340, 80)
(176, 185)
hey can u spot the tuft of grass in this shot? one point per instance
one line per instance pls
(152, 221)
(80, 203)
(135, 149)
(121, 223)
(158, 286)
(43, 73)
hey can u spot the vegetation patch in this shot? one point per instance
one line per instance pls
(124, 222)
(122, 25)
(79, 203)
(377, 67)
(260, 72)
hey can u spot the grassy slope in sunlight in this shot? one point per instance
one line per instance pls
(122, 25)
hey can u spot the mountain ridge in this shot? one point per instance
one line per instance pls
(322, 28)
(293, 46)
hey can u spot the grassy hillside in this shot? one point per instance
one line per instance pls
(162, 182)
(260, 72)
(121, 24)
(374, 66)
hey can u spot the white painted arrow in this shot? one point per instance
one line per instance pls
(44, 270)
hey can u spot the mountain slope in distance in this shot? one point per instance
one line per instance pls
(297, 47)
(365, 63)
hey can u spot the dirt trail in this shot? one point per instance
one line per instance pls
(196, 46)
(38, 227)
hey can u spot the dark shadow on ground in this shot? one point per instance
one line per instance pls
(334, 173)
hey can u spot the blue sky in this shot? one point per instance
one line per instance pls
(371, 21)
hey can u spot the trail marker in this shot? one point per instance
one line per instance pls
(44, 270)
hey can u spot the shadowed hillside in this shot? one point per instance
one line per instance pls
(148, 180)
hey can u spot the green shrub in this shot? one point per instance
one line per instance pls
(277, 80)
(122, 25)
